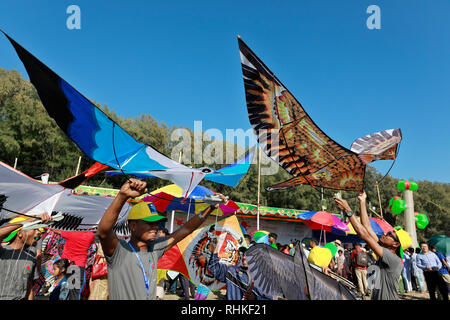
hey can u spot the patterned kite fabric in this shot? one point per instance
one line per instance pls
(290, 137)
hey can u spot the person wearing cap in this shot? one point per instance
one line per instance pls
(132, 264)
(338, 245)
(18, 259)
(388, 248)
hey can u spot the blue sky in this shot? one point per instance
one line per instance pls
(179, 62)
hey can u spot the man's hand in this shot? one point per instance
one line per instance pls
(342, 204)
(362, 196)
(326, 270)
(45, 217)
(249, 295)
(222, 197)
(133, 188)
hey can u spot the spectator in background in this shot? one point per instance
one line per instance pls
(417, 277)
(406, 272)
(305, 249)
(430, 264)
(292, 248)
(360, 261)
(239, 286)
(347, 270)
(312, 243)
(338, 245)
(76, 251)
(444, 270)
(59, 290)
(273, 240)
(340, 262)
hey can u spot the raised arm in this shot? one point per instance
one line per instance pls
(361, 230)
(192, 224)
(7, 229)
(364, 216)
(108, 238)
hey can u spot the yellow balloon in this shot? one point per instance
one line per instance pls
(320, 256)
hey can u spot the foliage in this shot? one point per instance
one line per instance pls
(30, 135)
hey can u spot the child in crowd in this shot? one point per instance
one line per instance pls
(60, 288)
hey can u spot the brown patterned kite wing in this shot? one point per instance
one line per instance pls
(288, 135)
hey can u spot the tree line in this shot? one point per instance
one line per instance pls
(30, 135)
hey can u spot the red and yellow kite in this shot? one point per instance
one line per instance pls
(191, 255)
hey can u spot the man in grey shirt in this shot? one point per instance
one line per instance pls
(132, 264)
(18, 259)
(388, 249)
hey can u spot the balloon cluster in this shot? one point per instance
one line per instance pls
(397, 205)
(407, 185)
(421, 220)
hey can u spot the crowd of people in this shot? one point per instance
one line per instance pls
(74, 265)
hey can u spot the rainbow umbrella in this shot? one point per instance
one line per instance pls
(261, 236)
(379, 226)
(323, 220)
(170, 198)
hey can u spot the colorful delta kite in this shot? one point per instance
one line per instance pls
(191, 255)
(21, 194)
(169, 198)
(102, 140)
(290, 137)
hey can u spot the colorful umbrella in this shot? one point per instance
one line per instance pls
(169, 198)
(261, 236)
(323, 220)
(379, 226)
(441, 242)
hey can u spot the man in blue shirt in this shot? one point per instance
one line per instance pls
(430, 264)
(445, 268)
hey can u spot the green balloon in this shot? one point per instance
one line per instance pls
(414, 186)
(332, 247)
(397, 205)
(407, 185)
(421, 220)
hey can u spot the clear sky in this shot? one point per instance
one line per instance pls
(179, 62)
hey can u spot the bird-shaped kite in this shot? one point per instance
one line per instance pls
(104, 141)
(21, 195)
(290, 137)
(292, 277)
